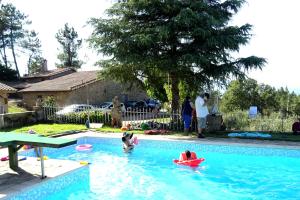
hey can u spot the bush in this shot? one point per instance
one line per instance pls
(81, 117)
(239, 120)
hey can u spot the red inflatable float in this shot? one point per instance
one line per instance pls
(191, 163)
(189, 159)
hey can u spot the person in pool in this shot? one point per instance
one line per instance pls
(127, 142)
(187, 155)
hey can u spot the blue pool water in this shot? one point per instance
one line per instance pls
(229, 172)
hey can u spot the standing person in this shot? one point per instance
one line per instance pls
(116, 113)
(201, 112)
(186, 113)
(296, 127)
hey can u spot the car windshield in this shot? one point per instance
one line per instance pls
(70, 108)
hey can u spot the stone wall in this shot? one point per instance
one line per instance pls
(17, 119)
(30, 98)
(97, 93)
(102, 91)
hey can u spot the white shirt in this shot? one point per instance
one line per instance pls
(201, 108)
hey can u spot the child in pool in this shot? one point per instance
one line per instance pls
(187, 155)
(127, 142)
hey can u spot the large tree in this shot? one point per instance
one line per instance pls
(240, 95)
(12, 31)
(32, 45)
(183, 41)
(12, 34)
(68, 39)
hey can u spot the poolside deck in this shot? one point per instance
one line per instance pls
(29, 173)
(207, 140)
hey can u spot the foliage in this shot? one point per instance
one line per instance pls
(13, 108)
(67, 38)
(239, 120)
(49, 101)
(93, 116)
(35, 65)
(12, 31)
(186, 41)
(241, 94)
(7, 74)
(32, 44)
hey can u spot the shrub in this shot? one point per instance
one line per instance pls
(239, 120)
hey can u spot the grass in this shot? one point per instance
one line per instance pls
(108, 129)
(13, 108)
(49, 129)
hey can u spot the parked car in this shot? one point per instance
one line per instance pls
(107, 106)
(75, 108)
(153, 103)
(130, 104)
(136, 105)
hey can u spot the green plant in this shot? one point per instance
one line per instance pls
(49, 101)
(93, 116)
(239, 120)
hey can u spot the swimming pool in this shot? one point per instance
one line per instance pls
(229, 172)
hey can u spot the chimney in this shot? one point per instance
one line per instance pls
(44, 66)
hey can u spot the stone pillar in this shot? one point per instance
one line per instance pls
(3, 103)
(39, 113)
(2, 121)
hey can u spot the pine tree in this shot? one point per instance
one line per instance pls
(183, 41)
(67, 38)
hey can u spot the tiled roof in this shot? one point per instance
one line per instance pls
(6, 88)
(64, 83)
(48, 73)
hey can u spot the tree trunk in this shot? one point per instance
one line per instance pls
(14, 55)
(4, 51)
(175, 92)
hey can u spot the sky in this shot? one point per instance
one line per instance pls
(276, 33)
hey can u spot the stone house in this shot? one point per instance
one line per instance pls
(4, 91)
(77, 88)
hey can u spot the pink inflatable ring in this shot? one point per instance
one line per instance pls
(84, 147)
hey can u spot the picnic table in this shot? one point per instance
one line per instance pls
(15, 141)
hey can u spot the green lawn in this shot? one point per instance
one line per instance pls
(49, 129)
(13, 108)
(117, 130)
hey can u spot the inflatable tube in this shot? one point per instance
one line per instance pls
(84, 162)
(135, 140)
(26, 147)
(44, 158)
(191, 163)
(84, 147)
(5, 158)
